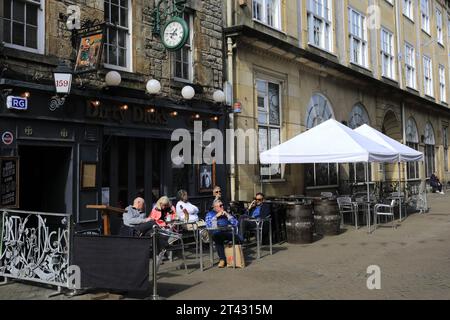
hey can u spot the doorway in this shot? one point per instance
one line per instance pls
(45, 179)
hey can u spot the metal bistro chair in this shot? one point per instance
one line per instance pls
(206, 234)
(386, 210)
(346, 205)
(259, 233)
(175, 237)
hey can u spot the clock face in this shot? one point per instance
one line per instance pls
(175, 34)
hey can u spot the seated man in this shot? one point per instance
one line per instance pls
(436, 184)
(185, 209)
(216, 219)
(257, 210)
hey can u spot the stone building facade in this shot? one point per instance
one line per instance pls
(298, 63)
(127, 134)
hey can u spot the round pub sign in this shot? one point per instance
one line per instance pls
(7, 138)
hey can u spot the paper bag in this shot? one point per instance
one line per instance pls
(240, 262)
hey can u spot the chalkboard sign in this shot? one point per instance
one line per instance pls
(9, 182)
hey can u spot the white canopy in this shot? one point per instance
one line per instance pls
(405, 153)
(329, 142)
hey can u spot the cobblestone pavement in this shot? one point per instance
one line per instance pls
(414, 261)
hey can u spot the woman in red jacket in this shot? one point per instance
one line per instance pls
(162, 210)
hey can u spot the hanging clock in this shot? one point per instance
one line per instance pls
(175, 34)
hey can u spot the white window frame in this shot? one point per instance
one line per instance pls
(410, 66)
(129, 43)
(267, 125)
(387, 54)
(320, 23)
(428, 76)
(408, 9)
(425, 15)
(445, 143)
(261, 12)
(40, 28)
(190, 46)
(442, 84)
(439, 27)
(358, 38)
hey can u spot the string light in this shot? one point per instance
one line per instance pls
(26, 94)
(95, 103)
(216, 118)
(151, 110)
(124, 107)
(197, 116)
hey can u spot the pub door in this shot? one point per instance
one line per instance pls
(45, 179)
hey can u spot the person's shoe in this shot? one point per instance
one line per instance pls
(159, 258)
(222, 264)
(442, 192)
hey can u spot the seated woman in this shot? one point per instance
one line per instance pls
(220, 218)
(186, 209)
(162, 211)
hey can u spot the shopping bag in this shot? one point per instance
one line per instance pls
(240, 262)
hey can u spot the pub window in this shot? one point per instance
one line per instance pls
(23, 24)
(318, 175)
(269, 124)
(183, 59)
(117, 47)
(358, 117)
(320, 28)
(445, 138)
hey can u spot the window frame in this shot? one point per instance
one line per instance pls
(428, 77)
(129, 40)
(442, 84)
(277, 16)
(408, 10)
(325, 19)
(190, 45)
(389, 55)
(40, 36)
(425, 16)
(361, 39)
(410, 66)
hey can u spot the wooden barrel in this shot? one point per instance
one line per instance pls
(327, 219)
(299, 223)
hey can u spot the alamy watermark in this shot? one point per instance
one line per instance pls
(374, 279)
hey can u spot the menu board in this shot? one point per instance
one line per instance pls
(9, 182)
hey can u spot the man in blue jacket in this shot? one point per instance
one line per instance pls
(219, 218)
(257, 210)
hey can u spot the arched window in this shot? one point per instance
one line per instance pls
(320, 110)
(358, 117)
(412, 141)
(430, 142)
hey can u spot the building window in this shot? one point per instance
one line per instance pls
(387, 54)
(440, 34)
(268, 12)
(428, 76)
(118, 30)
(412, 141)
(425, 11)
(442, 86)
(430, 142)
(320, 175)
(358, 38)
(320, 24)
(445, 142)
(23, 24)
(408, 9)
(410, 66)
(269, 123)
(358, 117)
(183, 58)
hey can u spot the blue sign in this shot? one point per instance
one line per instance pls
(17, 103)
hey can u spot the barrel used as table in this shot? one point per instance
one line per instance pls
(327, 219)
(299, 223)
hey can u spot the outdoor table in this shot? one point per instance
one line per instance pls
(106, 211)
(364, 206)
(210, 231)
(176, 225)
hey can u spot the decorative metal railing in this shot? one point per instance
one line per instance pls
(35, 246)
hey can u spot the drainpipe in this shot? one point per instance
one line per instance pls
(230, 75)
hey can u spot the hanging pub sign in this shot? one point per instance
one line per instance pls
(9, 182)
(90, 49)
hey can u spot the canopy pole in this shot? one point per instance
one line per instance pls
(368, 195)
(399, 193)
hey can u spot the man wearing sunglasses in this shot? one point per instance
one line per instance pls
(258, 209)
(219, 219)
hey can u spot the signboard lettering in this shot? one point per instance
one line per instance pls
(17, 103)
(9, 184)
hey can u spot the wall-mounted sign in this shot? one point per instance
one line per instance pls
(9, 182)
(89, 52)
(17, 103)
(7, 138)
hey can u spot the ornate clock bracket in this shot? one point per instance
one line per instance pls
(171, 8)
